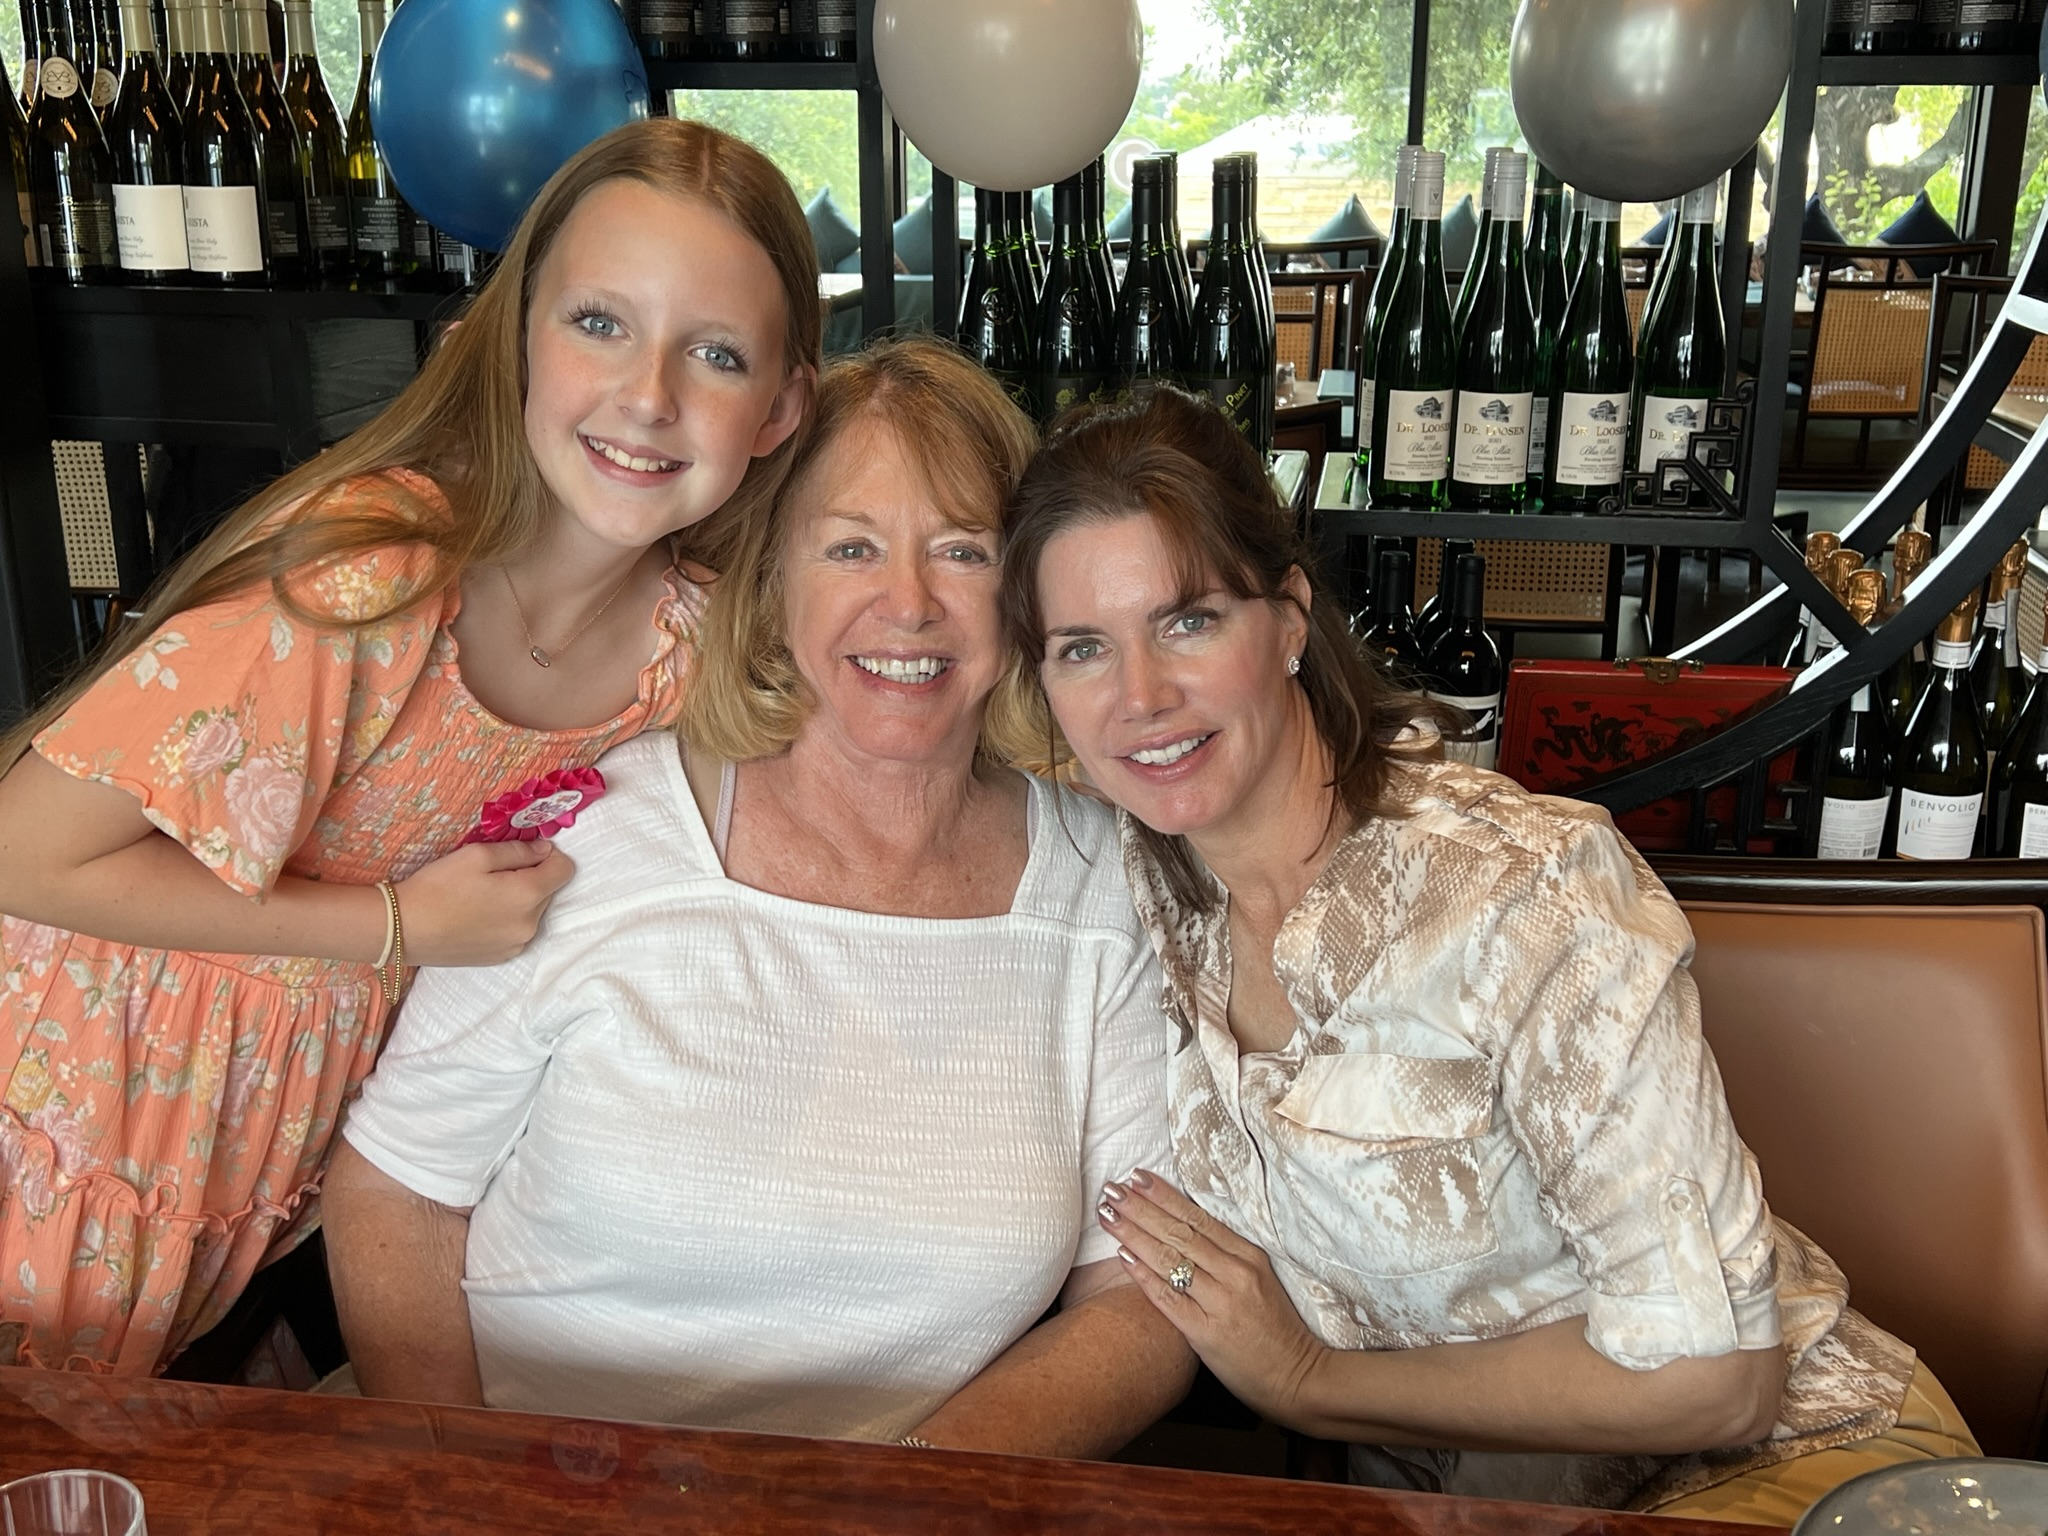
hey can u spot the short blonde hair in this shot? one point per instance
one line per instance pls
(971, 444)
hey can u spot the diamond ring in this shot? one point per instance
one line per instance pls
(1181, 1276)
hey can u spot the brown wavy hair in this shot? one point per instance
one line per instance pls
(956, 426)
(461, 421)
(1180, 461)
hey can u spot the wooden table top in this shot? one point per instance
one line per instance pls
(227, 1461)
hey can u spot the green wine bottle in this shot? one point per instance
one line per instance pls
(1149, 348)
(323, 148)
(1497, 360)
(1543, 266)
(1995, 675)
(1176, 242)
(2019, 784)
(1574, 241)
(1232, 357)
(1943, 769)
(1684, 350)
(71, 175)
(993, 324)
(1094, 181)
(1417, 364)
(381, 225)
(149, 159)
(1856, 783)
(1468, 282)
(1383, 286)
(1595, 375)
(1073, 330)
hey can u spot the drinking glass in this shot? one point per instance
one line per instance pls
(76, 1502)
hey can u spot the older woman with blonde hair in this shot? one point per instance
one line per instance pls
(792, 1116)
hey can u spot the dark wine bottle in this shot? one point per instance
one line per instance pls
(14, 132)
(1391, 635)
(1148, 348)
(825, 29)
(1468, 280)
(1684, 351)
(1543, 268)
(1967, 26)
(668, 29)
(1995, 675)
(743, 29)
(1429, 618)
(1497, 361)
(1883, 26)
(1574, 242)
(279, 153)
(1595, 376)
(31, 54)
(1943, 769)
(1176, 242)
(1899, 690)
(1856, 779)
(1095, 232)
(380, 223)
(323, 149)
(147, 143)
(1384, 283)
(106, 56)
(1417, 364)
(2019, 784)
(224, 233)
(1072, 354)
(1232, 358)
(71, 175)
(993, 324)
(1463, 667)
(1020, 242)
(1257, 240)
(178, 71)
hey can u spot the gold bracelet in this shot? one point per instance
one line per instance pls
(391, 964)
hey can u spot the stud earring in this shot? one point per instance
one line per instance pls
(1294, 666)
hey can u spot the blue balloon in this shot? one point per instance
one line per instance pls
(476, 103)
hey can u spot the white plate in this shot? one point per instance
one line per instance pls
(1958, 1496)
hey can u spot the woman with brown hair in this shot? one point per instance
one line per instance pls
(792, 1115)
(221, 846)
(1457, 1180)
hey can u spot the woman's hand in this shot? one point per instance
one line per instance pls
(480, 905)
(1233, 1310)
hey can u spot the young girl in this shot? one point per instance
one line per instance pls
(221, 847)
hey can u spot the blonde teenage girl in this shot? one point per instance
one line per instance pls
(210, 843)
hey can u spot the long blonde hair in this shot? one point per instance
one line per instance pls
(461, 422)
(971, 444)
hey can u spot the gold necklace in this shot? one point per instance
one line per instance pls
(546, 658)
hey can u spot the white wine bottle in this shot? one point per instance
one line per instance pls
(2019, 785)
(380, 223)
(1468, 280)
(1389, 275)
(1684, 347)
(1496, 360)
(1995, 676)
(224, 234)
(1543, 267)
(1414, 392)
(1943, 769)
(1595, 375)
(1856, 787)
(278, 150)
(149, 159)
(1899, 689)
(71, 175)
(323, 148)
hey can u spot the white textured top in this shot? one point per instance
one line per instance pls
(740, 1160)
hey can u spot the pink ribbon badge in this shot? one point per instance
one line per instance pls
(538, 808)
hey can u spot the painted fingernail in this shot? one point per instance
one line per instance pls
(1141, 1179)
(1107, 1212)
(1114, 1191)
(1127, 1256)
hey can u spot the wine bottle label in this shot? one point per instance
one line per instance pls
(1479, 744)
(834, 18)
(375, 221)
(80, 236)
(422, 240)
(1851, 829)
(1364, 410)
(1952, 653)
(2034, 832)
(1493, 438)
(58, 79)
(1539, 433)
(1236, 396)
(105, 86)
(281, 219)
(149, 228)
(751, 19)
(1592, 438)
(665, 18)
(1937, 826)
(1418, 435)
(222, 229)
(328, 219)
(1667, 423)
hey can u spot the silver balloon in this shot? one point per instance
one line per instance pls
(1640, 100)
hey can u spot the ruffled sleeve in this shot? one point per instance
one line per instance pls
(232, 723)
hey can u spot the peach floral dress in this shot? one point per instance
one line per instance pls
(165, 1116)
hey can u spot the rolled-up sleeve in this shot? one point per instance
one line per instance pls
(1611, 1092)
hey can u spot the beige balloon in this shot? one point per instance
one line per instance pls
(1009, 94)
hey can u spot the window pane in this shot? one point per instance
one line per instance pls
(1876, 147)
(2033, 180)
(813, 136)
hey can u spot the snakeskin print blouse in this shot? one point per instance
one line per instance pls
(1498, 1111)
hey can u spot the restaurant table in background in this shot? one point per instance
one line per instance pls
(233, 1461)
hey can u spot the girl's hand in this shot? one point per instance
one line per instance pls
(1232, 1311)
(480, 905)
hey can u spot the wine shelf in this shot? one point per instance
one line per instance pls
(1929, 69)
(742, 75)
(336, 303)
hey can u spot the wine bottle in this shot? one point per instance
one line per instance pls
(1464, 668)
(14, 132)
(1543, 268)
(1417, 364)
(149, 159)
(2019, 784)
(1595, 375)
(1391, 634)
(1095, 233)
(1574, 242)
(178, 70)
(825, 29)
(1429, 619)
(1899, 690)
(1176, 242)
(1967, 26)
(1856, 786)
(668, 29)
(1149, 348)
(1883, 26)
(1382, 293)
(1020, 244)
(279, 153)
(380, 223)
(1942, 770)
(1497, 361)
(224, 234)
(1995, 676)
(1820, 548)
(71, 175)
(743, 29)
(106, 56)
(1834, 36)
(31, 54)
(1684, 350)
(1468, 281)
(993, 325)
(323, 149)
(1232, 358)
(1072, 355)
(1257, 240)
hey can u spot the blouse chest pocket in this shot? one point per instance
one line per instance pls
(1382, 1157)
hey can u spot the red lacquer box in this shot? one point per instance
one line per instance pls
(1568, 722)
